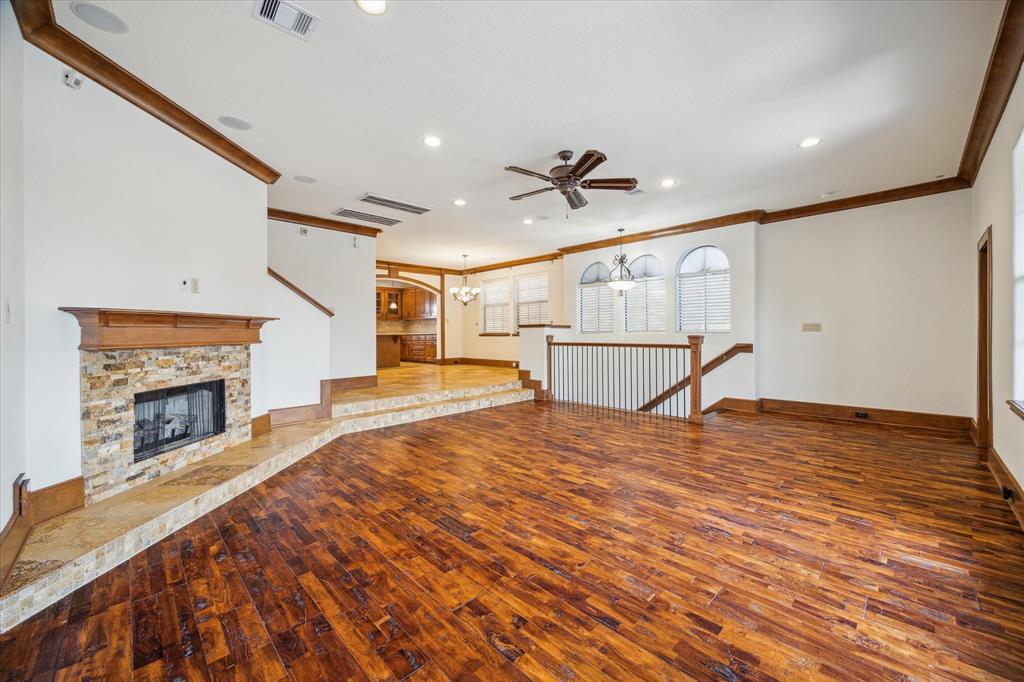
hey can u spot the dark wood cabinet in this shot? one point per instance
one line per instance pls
(388, 350)
(408, 303)
(419, 347)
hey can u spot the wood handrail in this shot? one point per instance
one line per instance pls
(681, 346)
(712, 364)
(312, 301)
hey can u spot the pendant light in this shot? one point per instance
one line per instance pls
(465, 293)
(620, 279)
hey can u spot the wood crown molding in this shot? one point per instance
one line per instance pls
(752, 216)
(322, 223)
(121, 329)
(413, 268)
(302, 294)
(39, 28)
(1003, 66)
(512, 263)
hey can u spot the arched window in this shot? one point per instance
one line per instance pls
(595, 300)
(645, 308)
(704, 291)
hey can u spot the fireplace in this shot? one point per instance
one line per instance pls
(171, 418)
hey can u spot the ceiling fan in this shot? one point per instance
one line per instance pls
(569, 179)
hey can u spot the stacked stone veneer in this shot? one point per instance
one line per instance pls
(110, 380)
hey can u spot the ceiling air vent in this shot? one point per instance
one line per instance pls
(393, 204)
(365, 217)
(286, 16)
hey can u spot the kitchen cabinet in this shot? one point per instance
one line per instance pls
(389, 303)
(408, 303)
(388, 350)
(419, 347)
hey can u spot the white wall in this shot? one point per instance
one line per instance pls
(992, 203)
(298, 347)
(118, 208)
(892, 289)
(735, 378)
(12, 261)
(336, 269)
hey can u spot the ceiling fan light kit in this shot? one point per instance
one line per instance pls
(569, 180)
(464, 294)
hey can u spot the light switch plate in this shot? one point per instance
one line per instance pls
(810, 327)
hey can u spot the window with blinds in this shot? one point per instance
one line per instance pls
(595, 309)
(532, 299)
(645, 305)
(496, 304)
(704, 291)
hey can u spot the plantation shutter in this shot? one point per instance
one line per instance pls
(704, 301)
(595, 309)
(645, 306)
(532, 299)
(496, 306)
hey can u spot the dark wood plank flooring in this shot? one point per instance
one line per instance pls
(555, 542)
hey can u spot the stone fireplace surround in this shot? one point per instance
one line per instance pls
(126, 352)
(109, 382)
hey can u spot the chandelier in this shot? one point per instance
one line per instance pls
(620, 279)
(465, 293)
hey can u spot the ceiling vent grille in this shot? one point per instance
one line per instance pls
(286, 16)
(365, 217)
(378, 200)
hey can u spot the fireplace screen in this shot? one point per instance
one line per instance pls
(173, 417)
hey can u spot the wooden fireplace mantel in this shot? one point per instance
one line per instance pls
(120, 329)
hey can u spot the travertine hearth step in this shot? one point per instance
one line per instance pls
(340, 408)
(65, 553)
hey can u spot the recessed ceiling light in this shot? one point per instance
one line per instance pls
(235, 123)
(372, 6)
(100, 18)
(432, 141)
(459, 202)
(809, 142)
(304, 179)
(667, 182)
(527, 221)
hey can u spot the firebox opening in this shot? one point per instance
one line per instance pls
(174, 417)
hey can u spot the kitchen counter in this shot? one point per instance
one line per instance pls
(404, 334)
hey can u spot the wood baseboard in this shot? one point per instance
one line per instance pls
(486, 362)
(734, 405)
(344, 383)
(304, 413)
(529, 382)
(260, 425)
(1005, 479)
(32, 508)
(870, 415)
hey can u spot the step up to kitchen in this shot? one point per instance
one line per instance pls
(64, 553)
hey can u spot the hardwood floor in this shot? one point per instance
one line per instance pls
(540, 541)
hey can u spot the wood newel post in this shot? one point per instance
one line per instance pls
(696, 410)
(550, 389)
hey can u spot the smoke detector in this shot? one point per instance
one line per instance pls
(286, 16)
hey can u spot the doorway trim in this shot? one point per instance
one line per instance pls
(983, 437)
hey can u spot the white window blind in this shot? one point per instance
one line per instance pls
(532, 299)
(595, 309)
(703, 301)
(646, 306)
(496, 306)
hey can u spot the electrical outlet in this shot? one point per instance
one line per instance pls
(860, 415)
(194, 285)
(810, 327)
(183, 284)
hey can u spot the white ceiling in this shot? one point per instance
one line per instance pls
(716, 95)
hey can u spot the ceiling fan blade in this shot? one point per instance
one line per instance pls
(610, 183)
(590, 160)
(530, 194)
(517, 169)
(575, 199)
